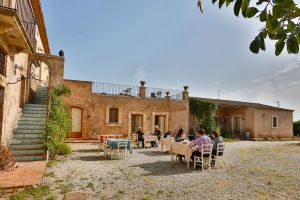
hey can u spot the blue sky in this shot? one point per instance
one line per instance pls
(170, 44)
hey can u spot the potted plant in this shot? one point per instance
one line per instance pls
(186, 88)
(167, 93)
(142, 83)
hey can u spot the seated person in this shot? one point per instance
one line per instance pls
(168, 134)
(217, 139)
(180, 136)
(140, 136)
(156, 133)
(192, 134)
(198, 142)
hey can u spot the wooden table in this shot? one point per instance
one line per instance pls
(181, 148)
(166, 143)
(150, 138)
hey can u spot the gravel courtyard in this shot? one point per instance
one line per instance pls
(254, 170)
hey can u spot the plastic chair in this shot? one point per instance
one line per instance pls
(206, 150)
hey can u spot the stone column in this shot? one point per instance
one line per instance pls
(142, 89)
(185, 93)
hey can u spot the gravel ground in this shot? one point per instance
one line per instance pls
(254, 170)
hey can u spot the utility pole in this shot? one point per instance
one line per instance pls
(278, 103)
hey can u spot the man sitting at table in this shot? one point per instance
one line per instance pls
(198, 142)
(140, 136)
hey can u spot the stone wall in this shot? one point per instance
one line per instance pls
(95, 109)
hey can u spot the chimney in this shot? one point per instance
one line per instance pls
(142, 89)
(185, 93)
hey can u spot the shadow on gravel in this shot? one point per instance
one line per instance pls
(92, 158)
(86, 150)
(155, 153)
(164, 168)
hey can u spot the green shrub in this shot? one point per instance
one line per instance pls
(226, 133)
(296, 128)
(63, 149)
(59, 122)
(205, 112)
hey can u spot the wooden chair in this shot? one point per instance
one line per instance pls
(121, 151)
(206, 150)
(219, 157)
(134, 140)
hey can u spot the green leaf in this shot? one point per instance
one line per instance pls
(255, 45)
(251, 12)
(262, 43)
(237, 7)
(279, 47)
(298, 38)
(214, 1)
(285, 3)
(291, 26)
(292, 45)
(228, 2)
(272, 24)
(221, 2)
(245, 5)
(263, 16)
(278, 11)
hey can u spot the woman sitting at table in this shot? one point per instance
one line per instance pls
(180, 136)
(140, 136)
(157, 133)
(168, 134)
(217, 139)
(198, 142)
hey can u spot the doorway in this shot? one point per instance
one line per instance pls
(160, 122)
(2, 93)
(136, 122)
(76, 123)
(22, 92)
(237, 124)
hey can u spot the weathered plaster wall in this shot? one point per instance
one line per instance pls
(263, 123)
(95, 108)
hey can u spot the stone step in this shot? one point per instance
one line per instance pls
(27, 146)
(31, 126)
(25, 109)
(35, 115)
(29, 105)
(28, 135)
(28, 152)
(35, 112)
(40, 102)
(35, 122)
(33, 131)
(41, 119)
(27, 141)
(29, 158)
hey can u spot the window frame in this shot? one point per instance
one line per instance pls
(277, 121)
(107, 121)
(2, 50)
(111, 119)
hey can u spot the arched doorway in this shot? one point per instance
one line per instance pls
(76, 123)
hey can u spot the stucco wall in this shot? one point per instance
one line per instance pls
(95, 107)
(263, 123)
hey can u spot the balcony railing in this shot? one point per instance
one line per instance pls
(26, 15)
(130, 90)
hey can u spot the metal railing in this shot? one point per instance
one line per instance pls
(26, 15)
(130, 90)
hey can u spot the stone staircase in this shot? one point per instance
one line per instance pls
(28, 143)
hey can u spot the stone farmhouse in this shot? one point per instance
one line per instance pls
(28, 69)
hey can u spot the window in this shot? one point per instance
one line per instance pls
(274, 122)
(113, 115)
(2, 61)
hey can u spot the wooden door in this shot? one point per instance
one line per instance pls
(76, 123)
(136, 122)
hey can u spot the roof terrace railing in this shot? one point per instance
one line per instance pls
(130, 90)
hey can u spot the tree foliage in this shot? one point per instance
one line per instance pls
(280, 19)
(205, 112)
(59, 122)
(296, 127)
